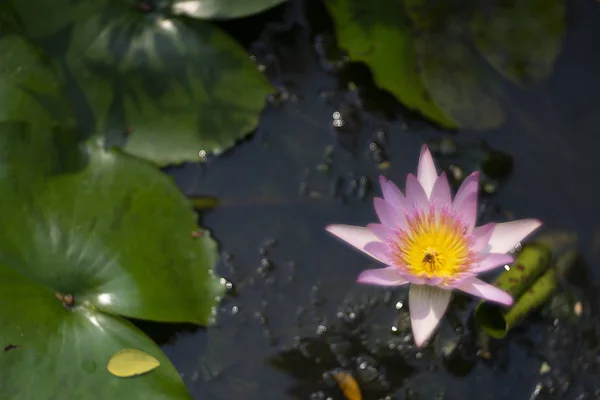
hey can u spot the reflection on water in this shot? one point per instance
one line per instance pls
(295, 316)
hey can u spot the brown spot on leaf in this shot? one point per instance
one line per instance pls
(11, 347)
(69, 300)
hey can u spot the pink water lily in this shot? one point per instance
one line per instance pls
(430, 241)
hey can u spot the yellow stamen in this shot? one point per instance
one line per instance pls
(433, 246)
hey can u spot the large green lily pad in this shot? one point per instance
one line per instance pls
(222, 9)
(171, 88)
(378, 34)
(116, 235)
(521, 39)
(29, 88)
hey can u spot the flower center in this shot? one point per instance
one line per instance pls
(434, 245)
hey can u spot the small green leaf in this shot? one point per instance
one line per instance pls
(222, 9)
(521, 39)
(378, 34)
(113, 236)
(29, 88)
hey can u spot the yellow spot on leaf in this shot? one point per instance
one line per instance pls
(348, 385)
(131, 362)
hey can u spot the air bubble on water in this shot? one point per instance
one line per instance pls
(338, 123)
(399, 305)
(234, 310)
(321, 329)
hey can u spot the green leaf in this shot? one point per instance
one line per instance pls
(456, 81)
(222, 9)
(521, 39)
(42, 19)
(378, 34)
(29, 88)
(171, 85)
(77, 245)
(55, 351)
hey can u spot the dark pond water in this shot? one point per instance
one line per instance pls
(295, 314)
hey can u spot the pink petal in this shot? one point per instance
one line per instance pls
(493, 260)
(441, 191)
(382, 232)
(489, 292)
(465, 202)
(482, 236)
(427, 306)
(469, 185)
(379, 251)
(507, 235)
(381, 276)
(426, 172)
(388, 215)
(356, 236)
(392, 194)
(415, 195)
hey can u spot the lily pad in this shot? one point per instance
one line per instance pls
(521, 39)
(78, 250)
(29, 88)
(379, 34)
(222, 9)
(169, 88)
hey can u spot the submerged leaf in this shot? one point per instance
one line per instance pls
(131, 362)
(455, 80)
(521, 39)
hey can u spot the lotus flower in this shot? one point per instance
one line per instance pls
(430, 241)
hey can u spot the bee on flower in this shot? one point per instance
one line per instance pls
(430, 241)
